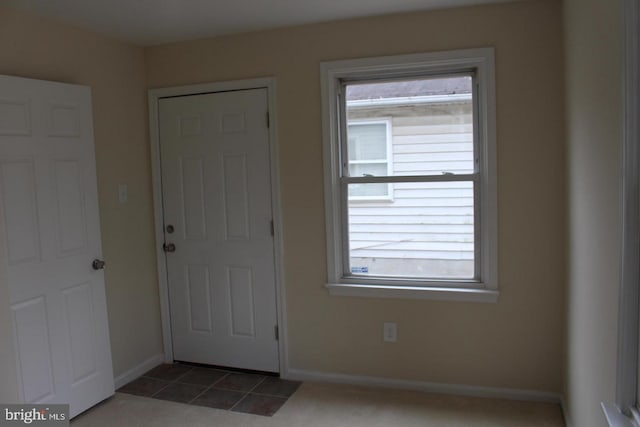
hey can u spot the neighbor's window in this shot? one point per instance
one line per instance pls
(369, 150)
(411, 198)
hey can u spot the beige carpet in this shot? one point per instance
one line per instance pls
(325, 405)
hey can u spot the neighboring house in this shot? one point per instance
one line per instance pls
(413, 128)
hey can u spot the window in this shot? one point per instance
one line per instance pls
(369, 150)
(410, 176)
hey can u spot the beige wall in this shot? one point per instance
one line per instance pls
(517, 342)
(42, 49)
(594, 119)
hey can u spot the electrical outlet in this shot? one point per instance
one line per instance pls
(390, 332)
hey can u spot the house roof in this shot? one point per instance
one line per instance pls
(409, 88)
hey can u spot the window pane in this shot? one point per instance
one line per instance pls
(426, 231)
(367, 141)
(431, 124)
(369, 169)
(369, 190)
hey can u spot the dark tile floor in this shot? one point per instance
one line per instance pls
(215, 388)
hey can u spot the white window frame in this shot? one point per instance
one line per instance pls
(479, 61)
(389, 141)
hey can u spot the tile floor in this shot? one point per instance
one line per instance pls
(214, 388)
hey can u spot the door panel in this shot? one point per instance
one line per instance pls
(15, 116)
(33, 348)
(79, 308)
(240, 283)
(71, 224)
(199, 298)
(193, 203)
(48, 196)
(216, 181)
(19, 203)
(236, 209)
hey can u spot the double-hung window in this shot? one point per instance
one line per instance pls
(410, 182)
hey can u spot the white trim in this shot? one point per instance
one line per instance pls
(427, 387)
(334, 73)
(158, 215)
(154, 95)
(137, 371)
(276, 203)
(628, 354)
(413, 292)
(630, 287)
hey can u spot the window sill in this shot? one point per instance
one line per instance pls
(615, 418)
(404, 292)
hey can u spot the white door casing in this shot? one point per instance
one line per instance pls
(48, 198)
(216, 183)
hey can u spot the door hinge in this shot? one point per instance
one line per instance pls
(267, 120)
(277, 333)
(273, 230)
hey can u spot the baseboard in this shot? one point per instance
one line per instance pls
(138, 370)
(423, 386)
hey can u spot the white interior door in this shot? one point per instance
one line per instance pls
(48, 199)
(216, 185)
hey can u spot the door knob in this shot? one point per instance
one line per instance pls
(98, 264)
(169, 247)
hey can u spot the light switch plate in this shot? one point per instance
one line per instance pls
(390, 332)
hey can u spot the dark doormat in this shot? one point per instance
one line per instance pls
(215, 388)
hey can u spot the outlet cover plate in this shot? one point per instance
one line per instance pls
(390, 331)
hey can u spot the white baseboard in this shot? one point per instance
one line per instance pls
(138, 370)
(423, 386)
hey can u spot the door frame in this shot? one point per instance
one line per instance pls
(155, 95)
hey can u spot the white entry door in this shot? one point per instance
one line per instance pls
(219, 245)
(49, 205)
